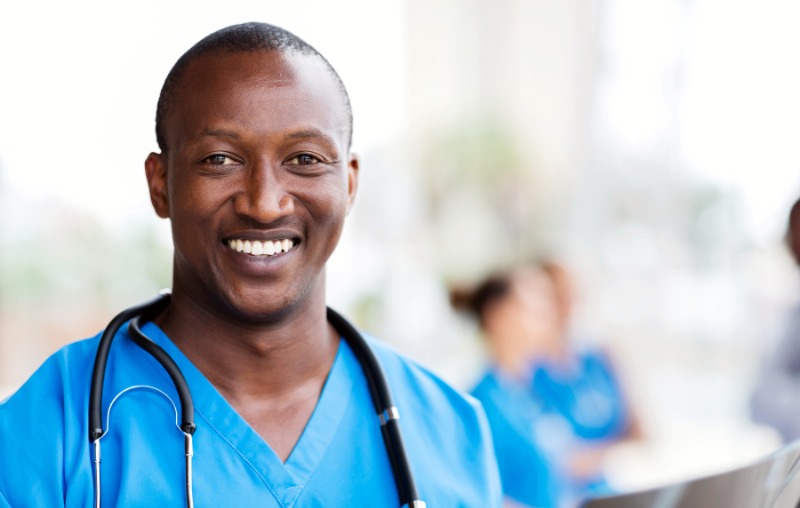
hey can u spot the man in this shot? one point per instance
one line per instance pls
(256, 176)
(776, 400)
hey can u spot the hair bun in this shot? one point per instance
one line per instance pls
(475, 300)
(461, 298)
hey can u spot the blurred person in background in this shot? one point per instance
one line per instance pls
(776, 399)
(555, 410)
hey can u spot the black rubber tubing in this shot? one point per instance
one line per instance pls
(185, 396)
(100, 360)
(383, 400)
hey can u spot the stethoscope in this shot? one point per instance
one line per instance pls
(380, 393)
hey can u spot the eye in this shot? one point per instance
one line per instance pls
(219, 160)
(304, 160)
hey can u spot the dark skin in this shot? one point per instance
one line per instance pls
(257, 150)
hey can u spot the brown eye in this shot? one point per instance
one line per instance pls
(304, 160)
(219, 160)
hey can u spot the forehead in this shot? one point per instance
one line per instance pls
(532, 282)
(260, 93)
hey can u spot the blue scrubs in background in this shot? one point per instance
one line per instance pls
(587, 394)
(527, 474)
(340, 459)
(588, 400)
(539, 424)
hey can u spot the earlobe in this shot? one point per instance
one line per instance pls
(352, 181)
(155, 169)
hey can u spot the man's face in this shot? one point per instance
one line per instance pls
(257, 161)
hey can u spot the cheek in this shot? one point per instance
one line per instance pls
(328, 207)
(194, 203)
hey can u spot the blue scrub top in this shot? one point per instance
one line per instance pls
(528, 475)
(587, 394)
(340, 459)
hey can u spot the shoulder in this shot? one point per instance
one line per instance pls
(487, 384)
(490, 387)
(42, 426)
(495, 402)
(410, 380)
(592, 355)
(498, 395)
(64, 369)
(447, 427)
(786, 353)
(491, 394)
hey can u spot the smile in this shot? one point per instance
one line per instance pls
(256, 248)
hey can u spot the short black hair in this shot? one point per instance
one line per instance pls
(246, 37)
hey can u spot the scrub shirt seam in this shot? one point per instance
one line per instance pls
(255, 469)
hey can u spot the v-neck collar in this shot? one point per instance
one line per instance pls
(284, 480)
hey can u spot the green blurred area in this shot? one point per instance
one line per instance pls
(64, 274)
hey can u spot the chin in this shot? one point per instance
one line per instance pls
(261, 305)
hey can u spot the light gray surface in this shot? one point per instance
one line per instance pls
(770, 483)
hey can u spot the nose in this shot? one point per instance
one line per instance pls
(265, 197)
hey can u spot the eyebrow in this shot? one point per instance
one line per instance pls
(218, 133)
(309, 134)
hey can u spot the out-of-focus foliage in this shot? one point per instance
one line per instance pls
(480, 155)
(71, 252)
(64, 275)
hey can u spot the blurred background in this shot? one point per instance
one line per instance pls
(650, 146)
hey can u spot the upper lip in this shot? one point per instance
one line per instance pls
(262, 235)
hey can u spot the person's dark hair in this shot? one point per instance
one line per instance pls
(247, 37)
(794, 216)
(476, 300)
(792, 237)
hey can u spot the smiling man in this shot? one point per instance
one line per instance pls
(256, 176)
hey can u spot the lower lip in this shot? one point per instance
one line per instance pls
(261, 265)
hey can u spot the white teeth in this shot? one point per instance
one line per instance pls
(256, 248)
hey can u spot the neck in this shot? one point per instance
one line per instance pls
(256, 362)
(515, 356)
(509, 360)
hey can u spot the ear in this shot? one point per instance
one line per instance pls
(156, 170)
(352, 180)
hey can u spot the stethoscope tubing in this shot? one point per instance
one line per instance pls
(384, 407)
(100, 361)
(380, 393)
(182, 387)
